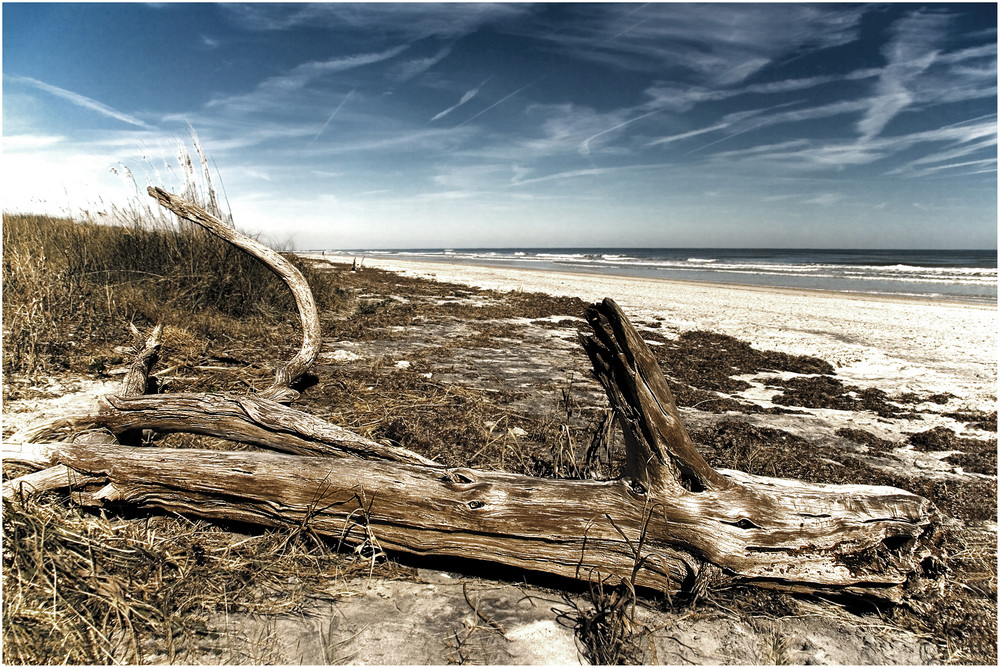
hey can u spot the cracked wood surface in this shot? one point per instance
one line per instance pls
(771, 532)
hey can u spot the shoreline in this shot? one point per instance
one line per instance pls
(675, 275)
(898, 343)
(942, 300)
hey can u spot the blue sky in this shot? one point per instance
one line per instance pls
(521, 125)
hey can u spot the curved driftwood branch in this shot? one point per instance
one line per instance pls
(288, 373)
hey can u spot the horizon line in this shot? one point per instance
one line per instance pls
(771, 248)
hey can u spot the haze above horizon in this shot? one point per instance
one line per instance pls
(521, 125)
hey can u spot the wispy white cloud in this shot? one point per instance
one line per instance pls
(824, 199)
(912, 50)
(257, 174)
(726, 138)
(407, 21)
(680, 98)
(414, 67)
(977, 140)
(503, 99)
(465, 98)
(983, 166)
(273, 89)
(960, 76)
(955, 133)
(558, 129)
(427, 141)
(465, 176)
(307, 72)
(585, 144)
(984, 53)
(332, 115)
(570, 174)
(814, 156)
(687, 135)
(740, 122)
(520, 174)
(812, 113)
(25, 142)
(80, 100)
(720, 45)
(448, 195)
(230, 130)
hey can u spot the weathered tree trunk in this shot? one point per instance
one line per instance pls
(773, 532)
(671, 522)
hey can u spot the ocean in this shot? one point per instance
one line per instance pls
(965, 275)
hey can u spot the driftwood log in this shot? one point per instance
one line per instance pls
(671, 522)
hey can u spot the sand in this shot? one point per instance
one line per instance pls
(896, 344)
(436, 617)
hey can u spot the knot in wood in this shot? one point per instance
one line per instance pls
(458, 477)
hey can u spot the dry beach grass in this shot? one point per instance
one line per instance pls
(470, 376)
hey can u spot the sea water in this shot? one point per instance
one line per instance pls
(965, 275)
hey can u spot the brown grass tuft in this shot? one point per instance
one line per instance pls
(83, 589)
(69, 284)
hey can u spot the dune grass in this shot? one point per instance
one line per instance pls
(69, 284)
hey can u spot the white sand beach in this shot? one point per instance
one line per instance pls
(896, 344)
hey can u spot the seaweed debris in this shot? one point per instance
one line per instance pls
(975, 455)
(827, 392)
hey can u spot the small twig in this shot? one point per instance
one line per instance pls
(475, 608)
